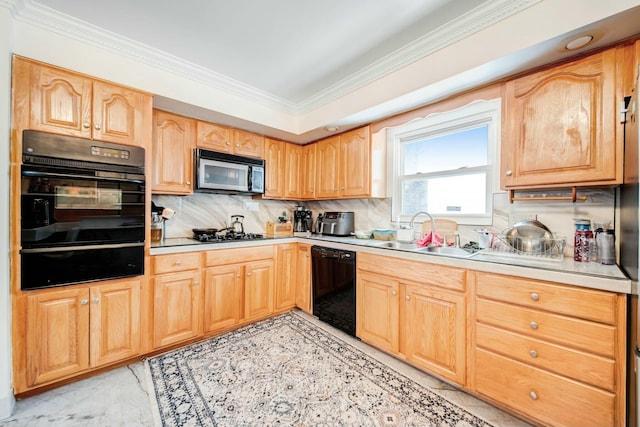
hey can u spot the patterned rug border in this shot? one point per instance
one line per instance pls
(387, 378)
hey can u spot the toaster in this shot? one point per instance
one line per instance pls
(336, 224)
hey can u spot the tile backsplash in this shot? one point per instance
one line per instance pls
(202, 210)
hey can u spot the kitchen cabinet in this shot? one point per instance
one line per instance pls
(293, 177)
(308, 174)
(557, 353)
(275, 168)
(69, 103)
(234, 141)
(286, 276)
(69, 330)
(560, 124)
(419, 313)
(344, 166)
(176, 298)
(173, 144)
(239, 286)
(303, 277)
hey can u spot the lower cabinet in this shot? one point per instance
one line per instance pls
(176, 298)
(419, 313)
(553, 353)
(69, 330)
(239, 287)
(303, 277)
(286, 276)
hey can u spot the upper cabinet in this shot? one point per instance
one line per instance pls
(559, 126)
(344, 166)
(67, 103)
(173, 143)
(213, 137)
(275, 170)
(248, 144)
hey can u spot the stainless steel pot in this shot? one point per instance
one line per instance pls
(530, 236)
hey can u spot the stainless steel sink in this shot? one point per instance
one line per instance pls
(447, 251)
(398, 245)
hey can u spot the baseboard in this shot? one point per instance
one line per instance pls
(6, 406)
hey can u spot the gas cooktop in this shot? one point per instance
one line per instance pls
(221, 237)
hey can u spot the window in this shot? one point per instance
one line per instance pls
(446, 164)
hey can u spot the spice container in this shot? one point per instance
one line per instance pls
(581, 239)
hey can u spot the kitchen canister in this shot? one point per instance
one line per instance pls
(583, 235)
(606, 247)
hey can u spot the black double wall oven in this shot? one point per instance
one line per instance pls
(82, 210)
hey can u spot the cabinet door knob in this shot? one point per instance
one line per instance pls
(394, 293)
(188, 182)
(248, 274)
(196, 283)
(407, 297)
(228, 143)
(238, 276)
(533, 395)
(86, 125)
(508, 173)
(237, 145)
(533, 353)
(97, 126)
(534, 325)
(84, 302)
(343, 188)
(95, 300)
(535, 296)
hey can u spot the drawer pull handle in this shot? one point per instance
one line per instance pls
(533, 395)
(533, 353)
(534, 325)
(535, 296)
(178, 262)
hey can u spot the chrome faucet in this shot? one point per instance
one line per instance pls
(433, 225)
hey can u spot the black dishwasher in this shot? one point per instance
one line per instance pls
(334, 287)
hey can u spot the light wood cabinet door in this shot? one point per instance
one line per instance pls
(114, 322)
(223, 295)
(119, 114)
(275, 169)
(560, 126)
(328, 168)
(60, 102)
(213, 137)
(173, 143)
(176, 308)
(293, 177)
(258, 289)
(248, 144)
(377, 311)
(355, 161)
(436, 331)
(286, 276)
(308, 173)
(303, 278)
(57, 334)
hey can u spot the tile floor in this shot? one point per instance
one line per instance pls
(120, 398)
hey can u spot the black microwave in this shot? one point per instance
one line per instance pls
(227, 173)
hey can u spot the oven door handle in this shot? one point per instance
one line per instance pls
(80, 248)
(87, 177)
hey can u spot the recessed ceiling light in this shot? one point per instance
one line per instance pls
(579, 42)
(331, 128)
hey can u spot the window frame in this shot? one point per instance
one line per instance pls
(474, 114)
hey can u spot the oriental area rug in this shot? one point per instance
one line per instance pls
(287, 371)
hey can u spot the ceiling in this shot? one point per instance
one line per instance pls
(300, 56)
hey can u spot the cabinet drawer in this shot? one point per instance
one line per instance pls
(238, 255)
(579, 365)
(572, 301)
(175, 262)
(414, 271)
(547, 397)
(577, 333)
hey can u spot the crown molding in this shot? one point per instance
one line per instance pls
(483, 16)
(473, 21)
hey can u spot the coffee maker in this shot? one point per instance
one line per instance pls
(302, 219)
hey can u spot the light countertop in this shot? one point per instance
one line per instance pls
(586, 274)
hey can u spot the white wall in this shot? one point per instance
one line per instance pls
(6, 393)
